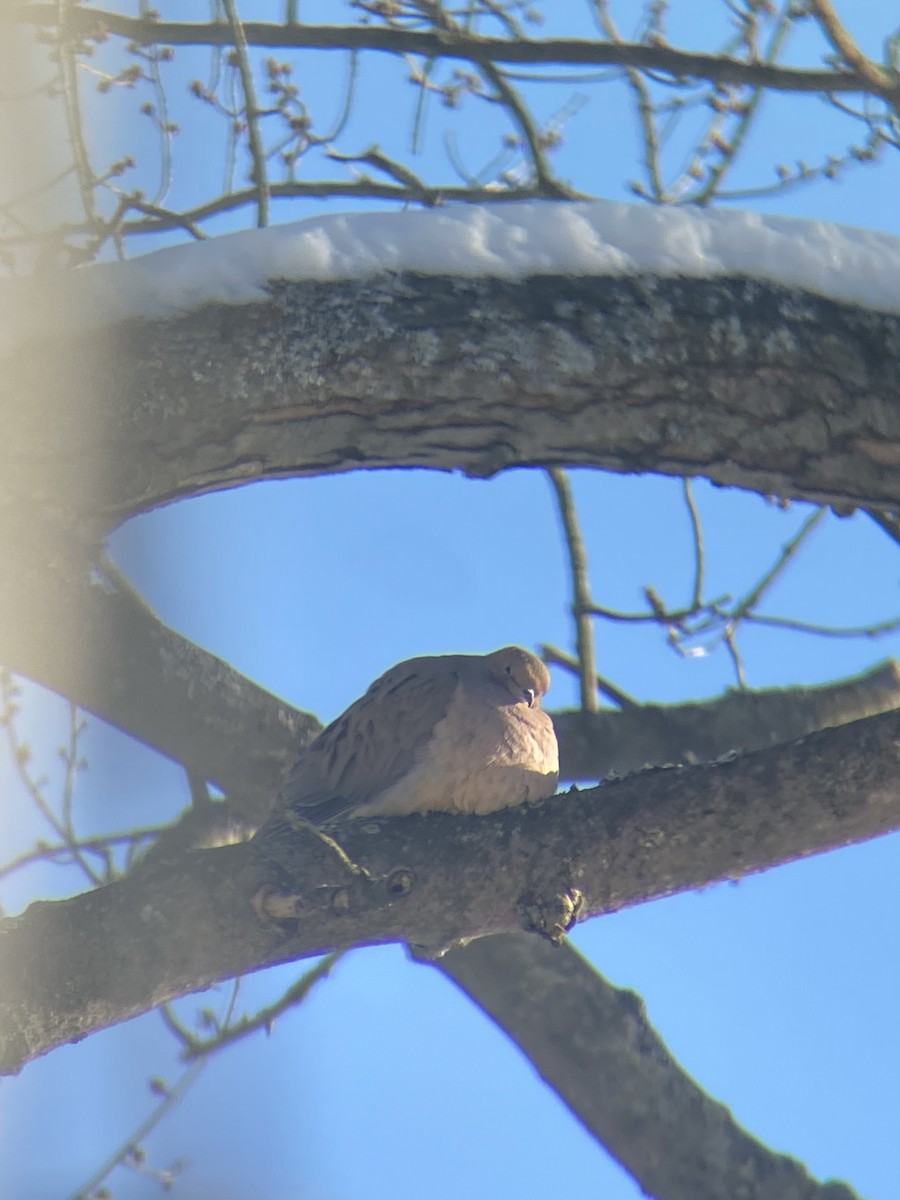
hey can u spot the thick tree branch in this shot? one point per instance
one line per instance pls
(572, 52)
(82, 632)
(70, 967)
(594, 1045)
(595, 745)
(746, 383)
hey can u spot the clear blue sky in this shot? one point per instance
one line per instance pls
(777, 993)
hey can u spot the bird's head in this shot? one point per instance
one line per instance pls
(522, 674)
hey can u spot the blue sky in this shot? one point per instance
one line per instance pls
(776, 993)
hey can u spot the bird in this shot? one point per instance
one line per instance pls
(445, 733)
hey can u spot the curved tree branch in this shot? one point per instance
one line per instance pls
(746, 383)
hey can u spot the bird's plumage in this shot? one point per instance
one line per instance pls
(454, 732)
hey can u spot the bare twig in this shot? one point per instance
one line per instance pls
(126, 1151)
(734, 654)
(196, 1048)
(558, 658)
(645, 109)
(697, 536)
(61, 852)
(879, 81)
(68, 64)
(876, 630)
(888, 521)
(21, 756)
(749, 110)
(788, 551)
(581, 598)
(251, 110)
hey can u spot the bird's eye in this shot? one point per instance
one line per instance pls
(509, 670)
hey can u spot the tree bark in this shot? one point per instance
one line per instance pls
(745, 383)
(70, 967)
(594, 1045)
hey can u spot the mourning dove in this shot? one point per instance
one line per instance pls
(453, 733)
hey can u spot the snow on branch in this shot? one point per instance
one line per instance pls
(759, 353)
(504, 241)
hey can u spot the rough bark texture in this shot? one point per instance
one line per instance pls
(745, 383)
(167, 930)
(593, 1044)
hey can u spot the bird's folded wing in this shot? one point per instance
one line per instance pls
(373, 744)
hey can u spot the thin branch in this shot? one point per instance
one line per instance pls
(61, 853)
(68, 63)
(373, 157)
(170, 1097)
(20, 754)
(581, 597)
(87, 1190)
(788, 551)
(875, 630)
(251, 110)
(265, 1018)
(888, 521)
(519, 113)
(366, 189)
(734, 654)
(748, 115)
(660, 615)
(677, 64)
(646, 114)
(878, 81)
(687, 487)
(556, 657)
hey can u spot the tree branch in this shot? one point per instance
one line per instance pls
(570, 52)
(68, 968)
(746, 383)
(82, 632)
(581, 1034)
(879, 81)
(596, 745)
(581, 594)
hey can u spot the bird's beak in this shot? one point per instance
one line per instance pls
(529, 697)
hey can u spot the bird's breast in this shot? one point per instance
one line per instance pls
(484, 754)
